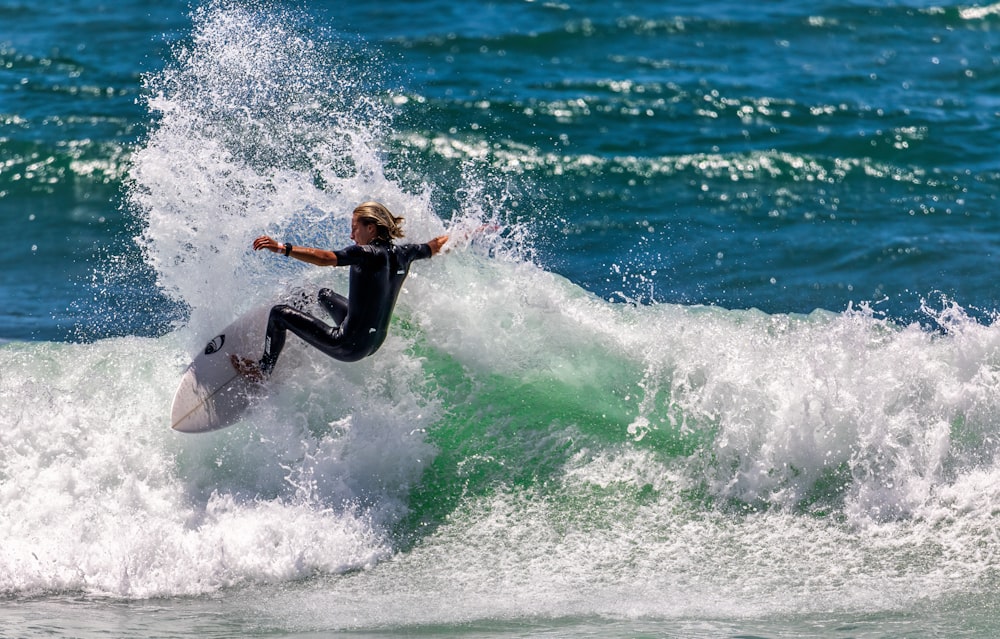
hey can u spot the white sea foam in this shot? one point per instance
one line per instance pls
(834, 447)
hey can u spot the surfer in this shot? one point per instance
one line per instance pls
(378, 268)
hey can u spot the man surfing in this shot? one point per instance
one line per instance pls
(378, 269)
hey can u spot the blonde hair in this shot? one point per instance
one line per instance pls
(389, 226)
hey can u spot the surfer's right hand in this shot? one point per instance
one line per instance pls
(265, 242)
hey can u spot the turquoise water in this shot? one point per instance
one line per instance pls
(727, 367)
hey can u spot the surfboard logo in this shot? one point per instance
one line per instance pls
(215, 344)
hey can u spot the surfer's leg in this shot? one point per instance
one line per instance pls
(312, 330)
(274, 340)
(284, 318)
(334, 303)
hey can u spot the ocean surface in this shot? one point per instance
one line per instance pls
(724, 363)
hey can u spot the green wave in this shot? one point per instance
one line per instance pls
(503, 432)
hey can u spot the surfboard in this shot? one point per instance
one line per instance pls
(211, 394)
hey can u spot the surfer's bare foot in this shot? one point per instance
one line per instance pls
(248, 368)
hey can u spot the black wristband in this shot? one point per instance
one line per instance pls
(288, 248)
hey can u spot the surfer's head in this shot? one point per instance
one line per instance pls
(386, 225)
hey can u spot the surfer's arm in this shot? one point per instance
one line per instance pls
(437, 243)
(423, 251)
(319, 257)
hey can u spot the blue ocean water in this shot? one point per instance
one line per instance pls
(727, 367)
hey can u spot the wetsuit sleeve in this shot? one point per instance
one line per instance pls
(353, 254)
(416, 251)
(356, 254)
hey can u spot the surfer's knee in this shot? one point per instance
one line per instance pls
(280, 313)
(331, 298)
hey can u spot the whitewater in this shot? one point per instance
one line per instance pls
(521, 456)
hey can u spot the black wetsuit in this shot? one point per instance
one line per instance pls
(377, 273)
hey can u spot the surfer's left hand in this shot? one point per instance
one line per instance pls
(437, 243)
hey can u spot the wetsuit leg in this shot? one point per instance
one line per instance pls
(334, 303)
(312, 330)
(284, 318)
(274, 340)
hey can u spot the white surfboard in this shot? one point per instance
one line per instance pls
(212, 395)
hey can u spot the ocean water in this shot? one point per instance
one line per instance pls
(725, 364)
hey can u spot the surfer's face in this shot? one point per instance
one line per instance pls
(363, 232)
